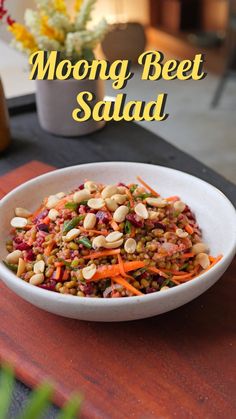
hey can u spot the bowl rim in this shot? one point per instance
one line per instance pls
(50, 295)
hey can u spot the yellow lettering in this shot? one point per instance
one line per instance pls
(84, 113)
(43, 66)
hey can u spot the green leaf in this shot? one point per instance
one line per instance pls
(128, 227)
(85, 242)
(6, 390)
(71, 409)
(68, 225)
(38, 401)
(72, 206)
(10, 266)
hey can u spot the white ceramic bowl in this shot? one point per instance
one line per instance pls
(215, 214)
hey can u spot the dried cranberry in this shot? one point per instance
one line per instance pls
(122, 184)
(150, 290)
(159, 225)
(43, 227)
(103, 217)
(88, 289)
(135, 220)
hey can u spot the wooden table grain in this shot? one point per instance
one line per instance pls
(180, 364)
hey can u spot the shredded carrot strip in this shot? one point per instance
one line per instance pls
(189, 229)
(121, 265)
(130, 198)
(97, 255)
(157, 271)
(186, 255)
(127, 285)
(102, 232)
(46, 220)
(133, 230)
(58, 273)
(111, 271)
(49, 248)
(65, 276)
(175, 281)
(147, 186)
(37, 212)
(172, 198)
(190, 275)
(58, 264)
(173, 272)
(217, 259)
(62, 202)
(30, 241)
(114, 225)
(181, 277)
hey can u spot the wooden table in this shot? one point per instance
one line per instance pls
(180, 364)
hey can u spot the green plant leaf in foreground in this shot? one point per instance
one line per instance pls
(71, 409)
(39, 400)
(6, 389)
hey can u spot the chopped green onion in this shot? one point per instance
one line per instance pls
(144, 195)
(85, 242)
(68, 225)
(185, 266)
(11, 266)
(72, 206)
(132, 188)
(83, 202)
(127, 227)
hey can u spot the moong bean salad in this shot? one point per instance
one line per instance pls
(107, 241)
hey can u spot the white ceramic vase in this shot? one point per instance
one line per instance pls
(56, 100)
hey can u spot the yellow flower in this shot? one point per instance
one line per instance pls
(50, 32)
(60, 6)
(23, 36)
(78, 4)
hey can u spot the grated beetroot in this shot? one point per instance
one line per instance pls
(23, 246)
(50, 285)
(30, 255)
(41, 215)
(135, 220)
(103, 217)
(43, 227)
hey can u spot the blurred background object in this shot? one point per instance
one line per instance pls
(52, 27)
(230, 61)
(5, 137)
(125, 40)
